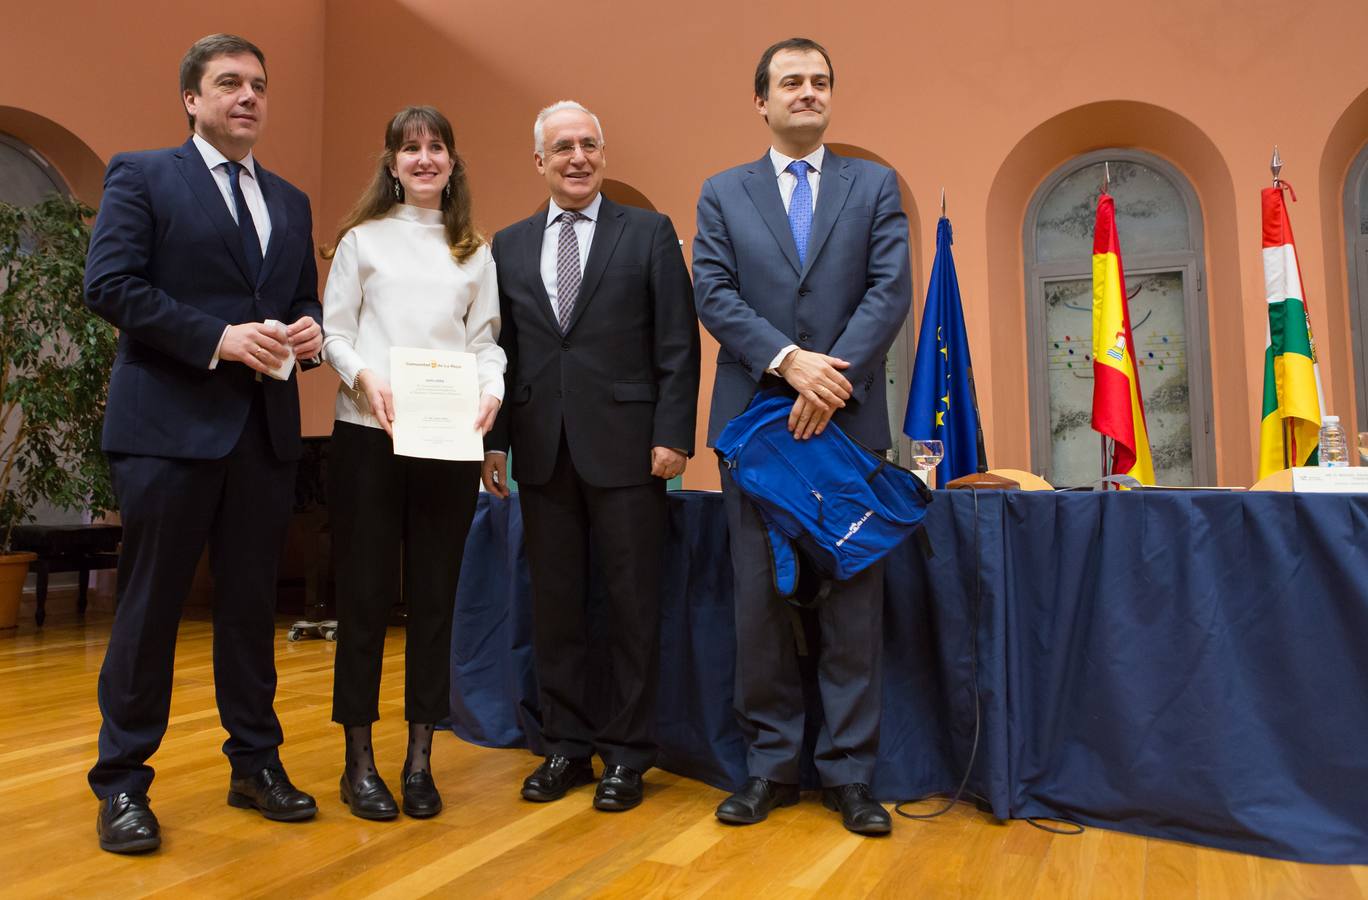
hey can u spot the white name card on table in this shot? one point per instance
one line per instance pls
(436, 401)
(1336, 480)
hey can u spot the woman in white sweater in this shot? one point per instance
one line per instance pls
(409, 270)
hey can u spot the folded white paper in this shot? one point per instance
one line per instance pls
(282, 371)
(436, 401)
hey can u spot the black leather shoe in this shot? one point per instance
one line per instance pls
(618, 790)
(421, 800)
(753, 802)
(555, 776)
(369, 798)
(126, 824)
(860, 813)
(270, 793)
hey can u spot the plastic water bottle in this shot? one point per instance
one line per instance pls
(1334, 449)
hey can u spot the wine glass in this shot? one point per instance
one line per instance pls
(926, 455)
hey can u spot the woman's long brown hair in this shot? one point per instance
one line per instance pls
(378, 198)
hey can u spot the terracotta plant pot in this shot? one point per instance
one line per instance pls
(13, 570)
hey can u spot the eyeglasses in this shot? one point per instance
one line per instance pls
(588, 146)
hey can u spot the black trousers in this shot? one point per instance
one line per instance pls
(391, 515)
(625, 526)
(769, 689)
(239, 505)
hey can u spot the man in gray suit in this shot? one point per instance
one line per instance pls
(801, 273)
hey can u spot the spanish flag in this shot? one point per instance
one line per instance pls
(1290, 431)
(1118, 412)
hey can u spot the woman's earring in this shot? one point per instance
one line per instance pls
(398, 191)
(446, 191)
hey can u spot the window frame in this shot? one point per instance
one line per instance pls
(48, 170)
(1356, 270)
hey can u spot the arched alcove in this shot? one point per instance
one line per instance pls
(1182, 144)
(80, 169)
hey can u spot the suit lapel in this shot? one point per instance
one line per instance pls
(831, 199)
(607, 230)
(280, 220)
(534, 234)
(763, 188)
(206, 190)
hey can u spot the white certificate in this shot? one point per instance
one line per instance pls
(436, 401)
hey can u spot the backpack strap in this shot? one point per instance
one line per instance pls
(783, 562)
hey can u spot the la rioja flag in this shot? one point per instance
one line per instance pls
(1290, 431)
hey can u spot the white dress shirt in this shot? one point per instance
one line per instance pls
(584, 236)
(251, 195)
(394, 283)
(787, 183)
(251, 191)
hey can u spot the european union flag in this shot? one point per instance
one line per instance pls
(942, 404)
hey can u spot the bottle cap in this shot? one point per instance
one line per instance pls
(1330, 420)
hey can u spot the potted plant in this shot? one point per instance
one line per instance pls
(55, 357)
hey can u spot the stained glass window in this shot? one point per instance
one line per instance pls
(1155, 227)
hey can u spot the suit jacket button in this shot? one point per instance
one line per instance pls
(803, 292)
(803, 336)
(565, 345)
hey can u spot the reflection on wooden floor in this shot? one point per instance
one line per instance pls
(489, 842)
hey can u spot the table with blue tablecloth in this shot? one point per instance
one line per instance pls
(1187, 664)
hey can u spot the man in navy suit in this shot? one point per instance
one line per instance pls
(801, 273)
(194, 250)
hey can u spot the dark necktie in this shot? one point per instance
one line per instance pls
(567, 268)
(251, 241)
(800, 208)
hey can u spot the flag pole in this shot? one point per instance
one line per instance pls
(1275, 166)
(1106, 456)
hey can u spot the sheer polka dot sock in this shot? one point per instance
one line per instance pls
(419, 757)
(360, 752)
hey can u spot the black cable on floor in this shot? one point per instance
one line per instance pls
(960, 792)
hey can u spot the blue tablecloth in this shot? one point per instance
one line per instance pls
(1188, 665)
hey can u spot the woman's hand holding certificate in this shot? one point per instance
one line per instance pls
(378, 396)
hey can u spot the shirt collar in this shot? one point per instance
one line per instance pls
(781, 162)
(213, 158)
(590, 212)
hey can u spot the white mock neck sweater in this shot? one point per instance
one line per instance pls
(394, 283)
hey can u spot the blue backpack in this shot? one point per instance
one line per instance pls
(843, 505)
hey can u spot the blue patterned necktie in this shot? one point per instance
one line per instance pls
(800, 208)
(567, 268)
(251, 241)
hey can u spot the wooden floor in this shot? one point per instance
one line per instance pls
(488, 842)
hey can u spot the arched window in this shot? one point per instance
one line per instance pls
(1356, 252)
(25, 177)
(1160, 226)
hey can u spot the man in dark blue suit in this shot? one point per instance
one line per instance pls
(195, 251)
(801, 273)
